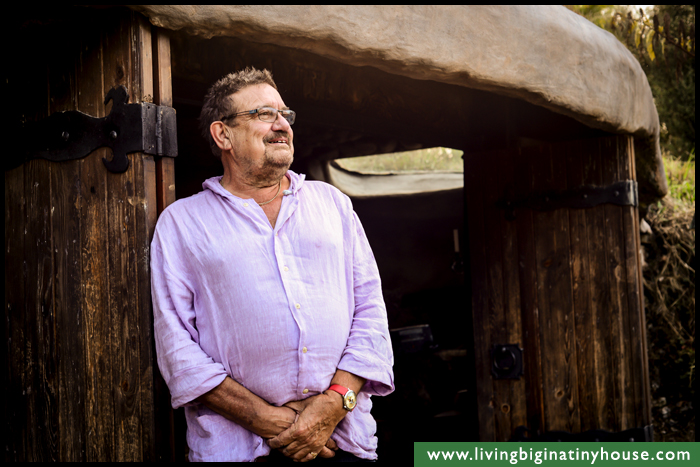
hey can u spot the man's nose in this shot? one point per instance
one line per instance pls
(281, 123)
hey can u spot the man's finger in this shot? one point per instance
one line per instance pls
(326, 453)
(296, 406)
(331, 444)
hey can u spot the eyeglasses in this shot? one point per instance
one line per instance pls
(267, 114)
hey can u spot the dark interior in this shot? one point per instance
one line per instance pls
(346, 111)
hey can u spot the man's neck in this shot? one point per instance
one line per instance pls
(268, 198)
(260, 191)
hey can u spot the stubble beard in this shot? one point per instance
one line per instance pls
(272, 169)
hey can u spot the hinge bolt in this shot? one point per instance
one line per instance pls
(113, 134)
(65, 136)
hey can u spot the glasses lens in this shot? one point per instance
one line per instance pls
(267, 114)
(290, 115)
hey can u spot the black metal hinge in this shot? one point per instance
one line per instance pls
(69, 135)
(622, 193)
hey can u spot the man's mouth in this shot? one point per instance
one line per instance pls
(280, 140)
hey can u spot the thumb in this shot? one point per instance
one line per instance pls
(281, 440)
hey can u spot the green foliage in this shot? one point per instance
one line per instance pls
(681, 178)
(664, 43)
(672, 79)
(597, 14)
(422, 160)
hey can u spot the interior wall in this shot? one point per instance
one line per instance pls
(412, 240)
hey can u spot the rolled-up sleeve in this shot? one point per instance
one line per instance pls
(188, 371)
(368, 352)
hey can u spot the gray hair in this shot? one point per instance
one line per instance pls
(218, 102)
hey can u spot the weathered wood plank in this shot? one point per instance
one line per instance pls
(634, 312)
(497, 325)
(555, 298)
(621, 220)
(70, 322)
(628, 279)
(516, 406)
(144, 204)
(163, 90)
(162, 70)
(42, 386)
(165, 182)
(163, 191)
(600, 292)
(482, 336)
(14, 386)
(27, 269)
(585, 329)
(527, 277)
(615, 268)
(122, 68)
(41, 381)
(643, 365)
(63, 66)
(145, 214)
(647, 420)
(99, 444)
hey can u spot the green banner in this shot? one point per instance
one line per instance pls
(543, 454)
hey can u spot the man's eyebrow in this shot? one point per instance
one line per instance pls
(273, 107)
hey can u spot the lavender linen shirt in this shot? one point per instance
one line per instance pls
(278, 310)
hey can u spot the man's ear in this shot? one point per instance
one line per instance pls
(219, 133)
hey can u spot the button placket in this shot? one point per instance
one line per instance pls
(289, 278)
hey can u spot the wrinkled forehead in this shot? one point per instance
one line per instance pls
(256, 96)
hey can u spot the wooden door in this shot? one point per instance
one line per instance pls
(562, 284)
(80, 382)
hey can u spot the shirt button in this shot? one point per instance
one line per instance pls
(305, 391)
(286, 268)
(298, 306)
(245, 205)
(304, 350)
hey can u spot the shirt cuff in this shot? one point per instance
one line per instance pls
(187, 386)
(378, 373)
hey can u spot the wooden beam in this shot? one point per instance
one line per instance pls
(165, 166)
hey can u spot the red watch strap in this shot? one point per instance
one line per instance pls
(342, 390)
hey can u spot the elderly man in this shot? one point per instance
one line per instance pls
(270, 325)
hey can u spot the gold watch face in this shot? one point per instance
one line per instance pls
(350, 400)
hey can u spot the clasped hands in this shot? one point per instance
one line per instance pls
(306, 429)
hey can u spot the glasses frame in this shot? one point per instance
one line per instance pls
(287, 114)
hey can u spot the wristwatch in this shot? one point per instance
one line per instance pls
(349, 397)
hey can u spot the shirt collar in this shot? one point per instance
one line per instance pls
(213, 184)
